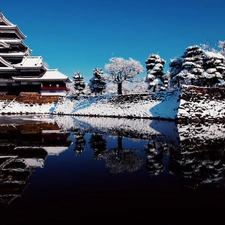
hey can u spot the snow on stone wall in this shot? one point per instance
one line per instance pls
(199, 104)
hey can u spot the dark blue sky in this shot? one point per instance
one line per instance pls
(83, 34)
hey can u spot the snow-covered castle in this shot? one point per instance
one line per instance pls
(21, 72)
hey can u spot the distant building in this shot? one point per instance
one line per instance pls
(20, 72)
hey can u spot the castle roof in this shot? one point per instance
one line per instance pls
(48, 75)
(14, 54)
(8, 66)
(4, 21)
(30, 62)
(54, 74)
(6, 42)
(8, 27)
(18, 58)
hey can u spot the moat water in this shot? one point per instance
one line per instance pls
(108, 171)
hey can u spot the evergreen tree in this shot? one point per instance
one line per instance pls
(214, 69)
(97, 82)
(198, 67)
(155, 75)
(188, 69)
(79, 84)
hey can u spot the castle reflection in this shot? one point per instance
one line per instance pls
(23, 148)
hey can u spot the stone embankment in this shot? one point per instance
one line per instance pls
(29, 97)
(199, 104)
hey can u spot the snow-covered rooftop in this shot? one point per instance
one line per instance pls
(30, 62)
(54, 74)
(49, 75)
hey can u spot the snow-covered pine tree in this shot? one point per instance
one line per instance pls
(155, 75)
(97, 83)
(175, 68)
(214, 69)
(198, 67)
(79, 84)
(188, 69)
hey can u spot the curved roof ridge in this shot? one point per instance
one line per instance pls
(6, 21)
(10, 24)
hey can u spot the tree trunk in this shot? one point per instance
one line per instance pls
(119, 89)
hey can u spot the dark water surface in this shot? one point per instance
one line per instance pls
(110, 172)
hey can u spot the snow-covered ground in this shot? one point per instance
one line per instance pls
(162, 105)
(14, 107)
(165, 106)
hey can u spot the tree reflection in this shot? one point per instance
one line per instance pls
(155, 152)
(98, 144)
(118, 159)
(79, 143)
(125, 161)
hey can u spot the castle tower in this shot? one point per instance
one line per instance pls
(21, 72)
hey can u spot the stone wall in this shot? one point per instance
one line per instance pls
(200, 104)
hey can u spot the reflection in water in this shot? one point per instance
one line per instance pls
(200, 158)
(198, 163)
(80, 142)
(98, 144)
(23, 148)
(118, 158)
(155, 151)
(143, 158)
(193, 157)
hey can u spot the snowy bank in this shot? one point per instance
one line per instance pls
(185, 105)
(162, 105)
